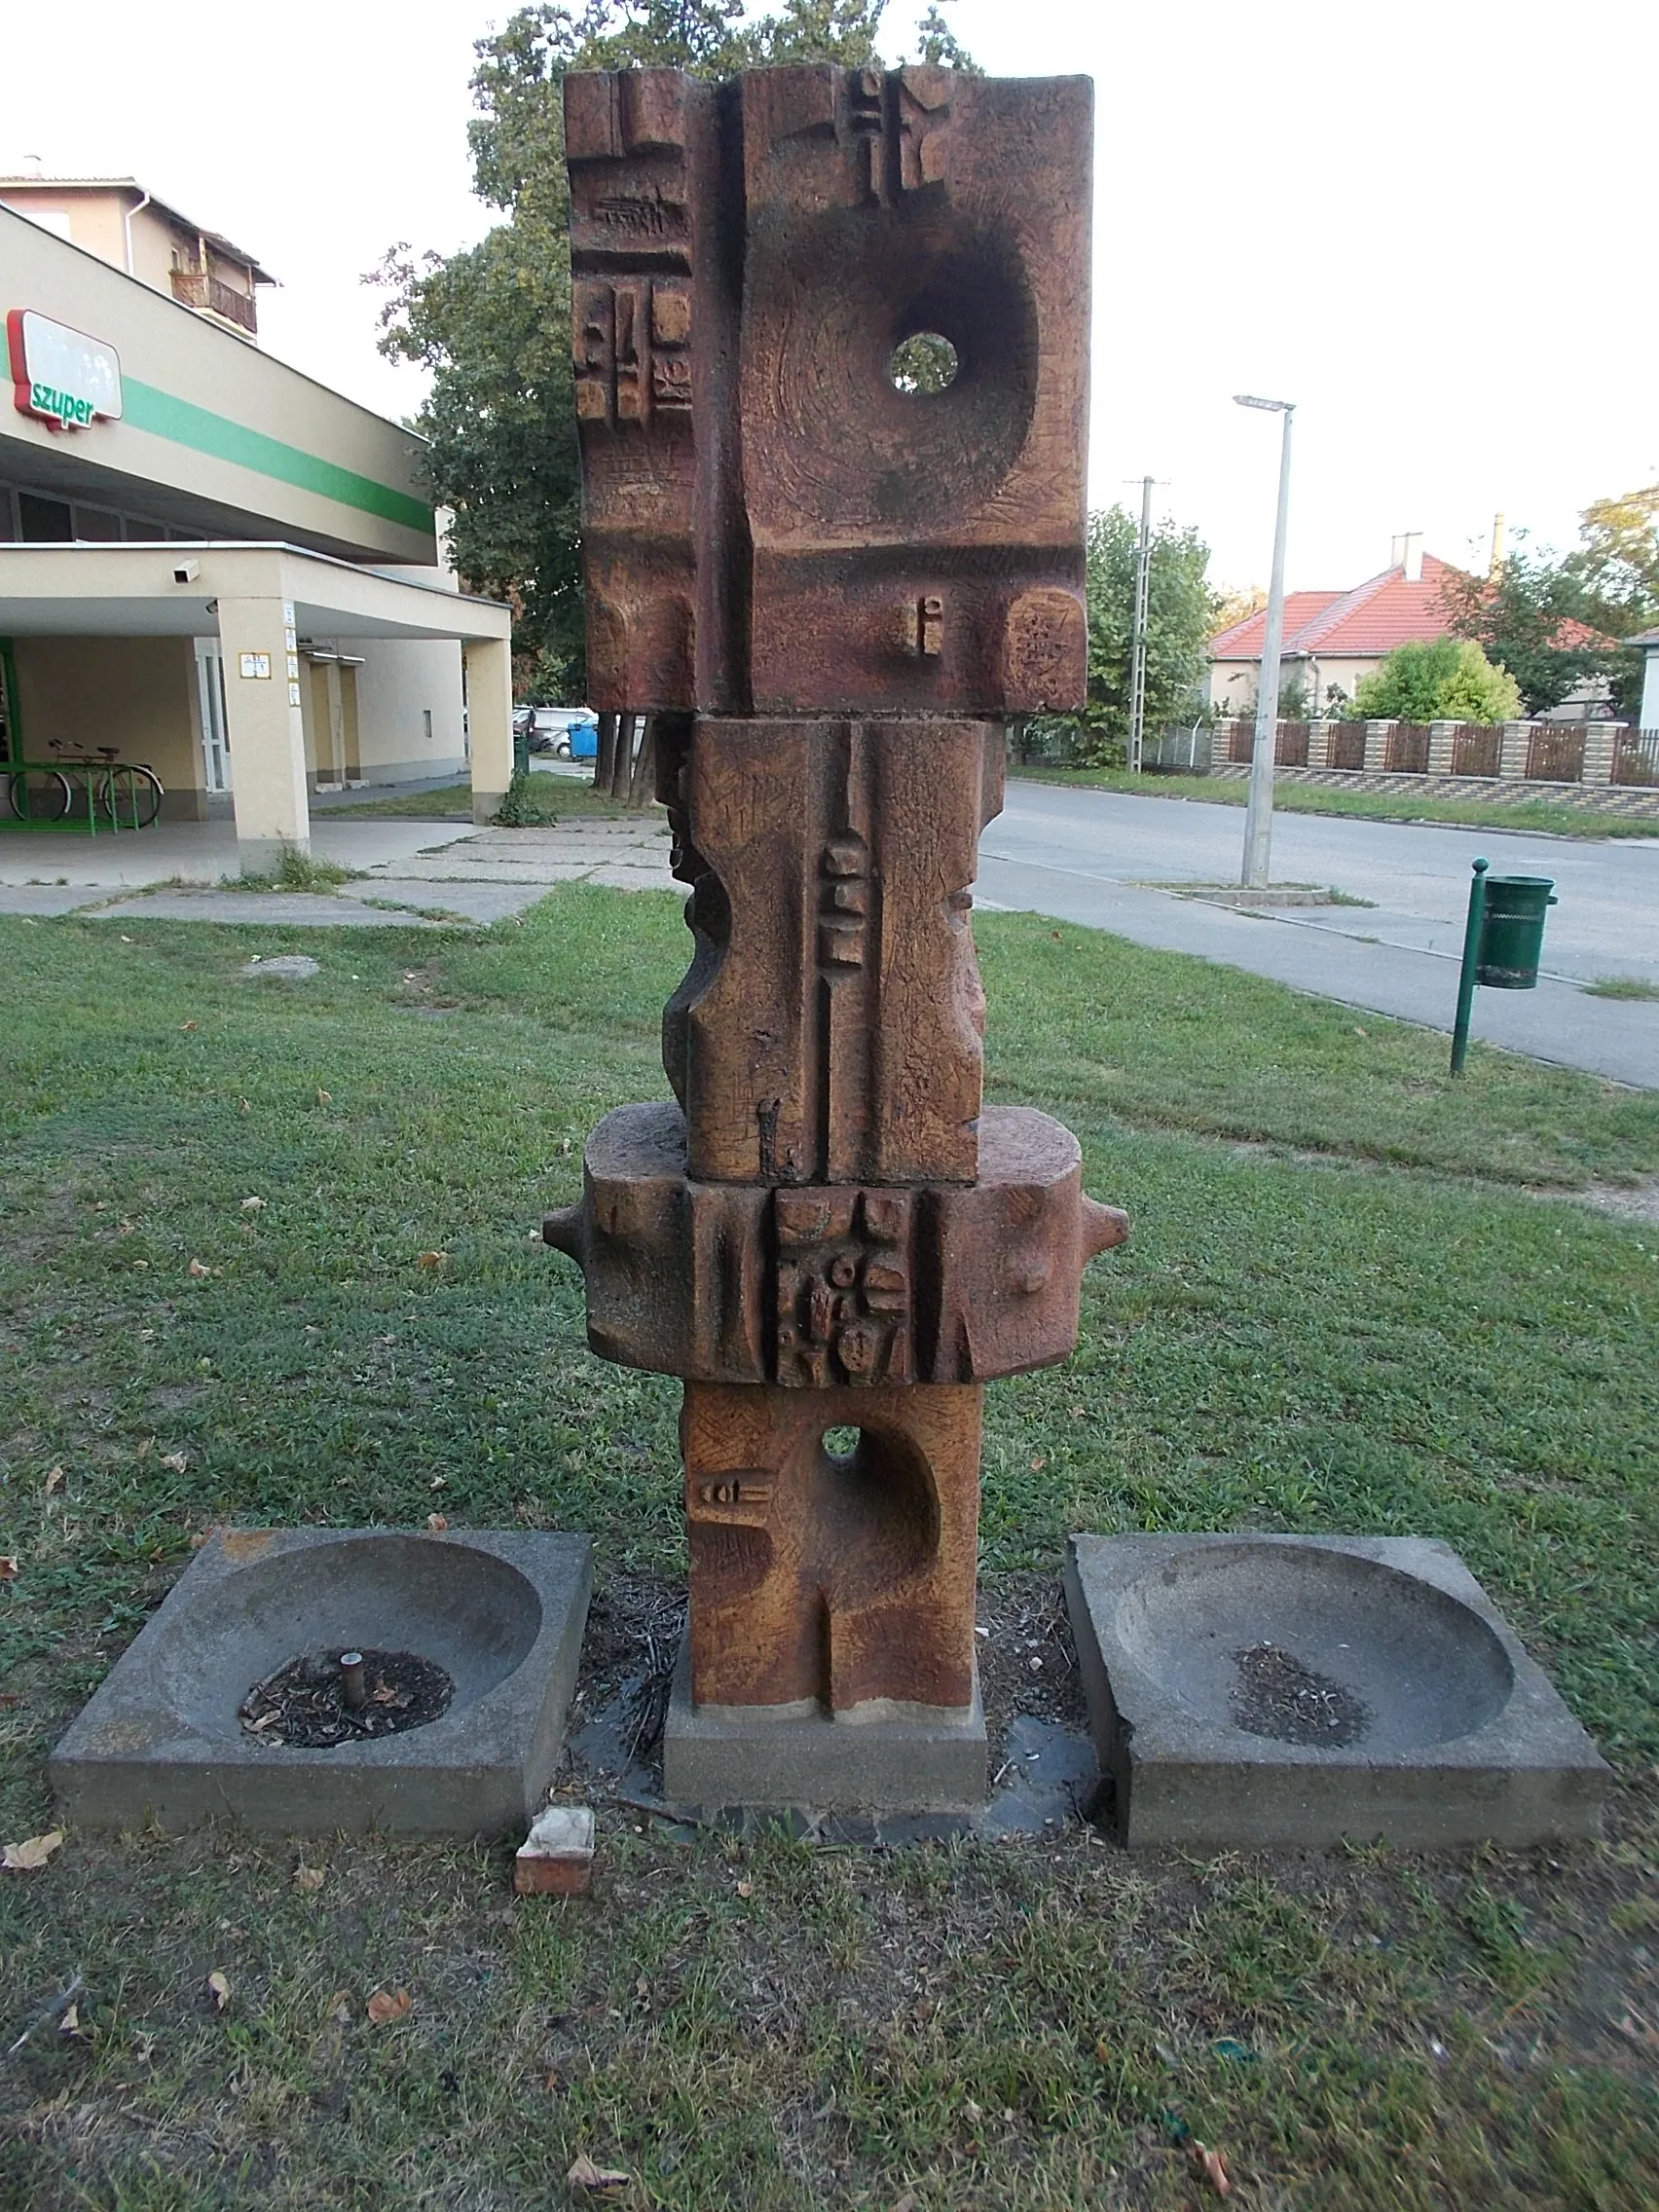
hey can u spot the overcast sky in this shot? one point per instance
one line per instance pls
(1429, 225)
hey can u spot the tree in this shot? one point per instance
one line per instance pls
(1445, 679)
(1617, 562)
(1238, 605)
(1181, 612)
(1531, 619)
(492, 324)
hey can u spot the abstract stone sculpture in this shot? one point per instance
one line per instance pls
(811, 575)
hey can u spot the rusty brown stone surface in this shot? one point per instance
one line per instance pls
(826, 589)
(824, 1575)
(833, 1284)
(829, 865)
(770, 524)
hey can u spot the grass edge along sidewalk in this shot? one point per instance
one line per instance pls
(1341, 1308)
(1538, 816)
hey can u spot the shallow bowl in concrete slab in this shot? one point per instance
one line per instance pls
(501, 1610)
(1215, 1665)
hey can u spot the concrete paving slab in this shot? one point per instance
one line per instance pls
(501, 1611)
(472, 902)
(205, 852)
(1252, 1692)
(49, 899)
(262, 909)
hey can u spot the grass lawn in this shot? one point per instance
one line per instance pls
(1552, 820)
(1358, 1298)
(550, 799)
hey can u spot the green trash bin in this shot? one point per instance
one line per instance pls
(1512, 931)
(521, 751)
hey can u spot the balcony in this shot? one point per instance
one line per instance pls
(207, 295)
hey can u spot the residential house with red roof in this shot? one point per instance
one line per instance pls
(1331, 639)
(1334, 638)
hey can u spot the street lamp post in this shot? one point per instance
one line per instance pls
(1259, 810)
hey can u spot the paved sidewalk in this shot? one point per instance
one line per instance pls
(414, 874)
(1558, 1022)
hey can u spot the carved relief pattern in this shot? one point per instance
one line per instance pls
(843, 1287)
(632, 350)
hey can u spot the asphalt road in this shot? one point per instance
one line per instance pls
(1097, 858)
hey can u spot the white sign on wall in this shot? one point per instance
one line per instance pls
(62, 375)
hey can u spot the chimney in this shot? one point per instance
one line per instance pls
(1494, 566)
(1407, 553)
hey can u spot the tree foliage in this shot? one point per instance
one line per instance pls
(1238, 605)
(1531, 619)
(1617, 561)
(1447, 679)
(491, 323)
(1181, 611)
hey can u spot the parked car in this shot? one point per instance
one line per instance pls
(570, 733)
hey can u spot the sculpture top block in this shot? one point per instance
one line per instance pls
(773, 524)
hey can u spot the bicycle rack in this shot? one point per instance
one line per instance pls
(104, 798)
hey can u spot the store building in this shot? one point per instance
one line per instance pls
(209, 562)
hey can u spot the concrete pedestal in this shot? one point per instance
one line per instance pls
(883, 1758)
(501, 1610)
(1259, 1692)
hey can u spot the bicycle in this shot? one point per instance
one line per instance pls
(127, 792)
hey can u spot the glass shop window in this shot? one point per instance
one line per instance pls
(44, 522)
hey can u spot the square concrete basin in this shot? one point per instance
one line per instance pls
(501, 1611)
(1252, 1692)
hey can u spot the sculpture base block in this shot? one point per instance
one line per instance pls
(900, 1759)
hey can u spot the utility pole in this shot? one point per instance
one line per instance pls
(1259, 808)
(1137, 663)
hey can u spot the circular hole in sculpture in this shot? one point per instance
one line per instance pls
(924, 363)
(309, 1704)
(843, 1443)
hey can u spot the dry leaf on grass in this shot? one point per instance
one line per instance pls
(219, 1990)
(70, 2022)
(8, 1566)
(197, 1270)
(389, 2004)
(746, 1889)
(177, 1461)
(436, 1523)
(253, 1205)
(434, 1259)
(53, 1480)
(187, 1026)
(1212, 2166)
(308, 1877)
(22, 1857)
(324, 1097)
(584, 2174)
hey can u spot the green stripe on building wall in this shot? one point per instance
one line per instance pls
(145, 407)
